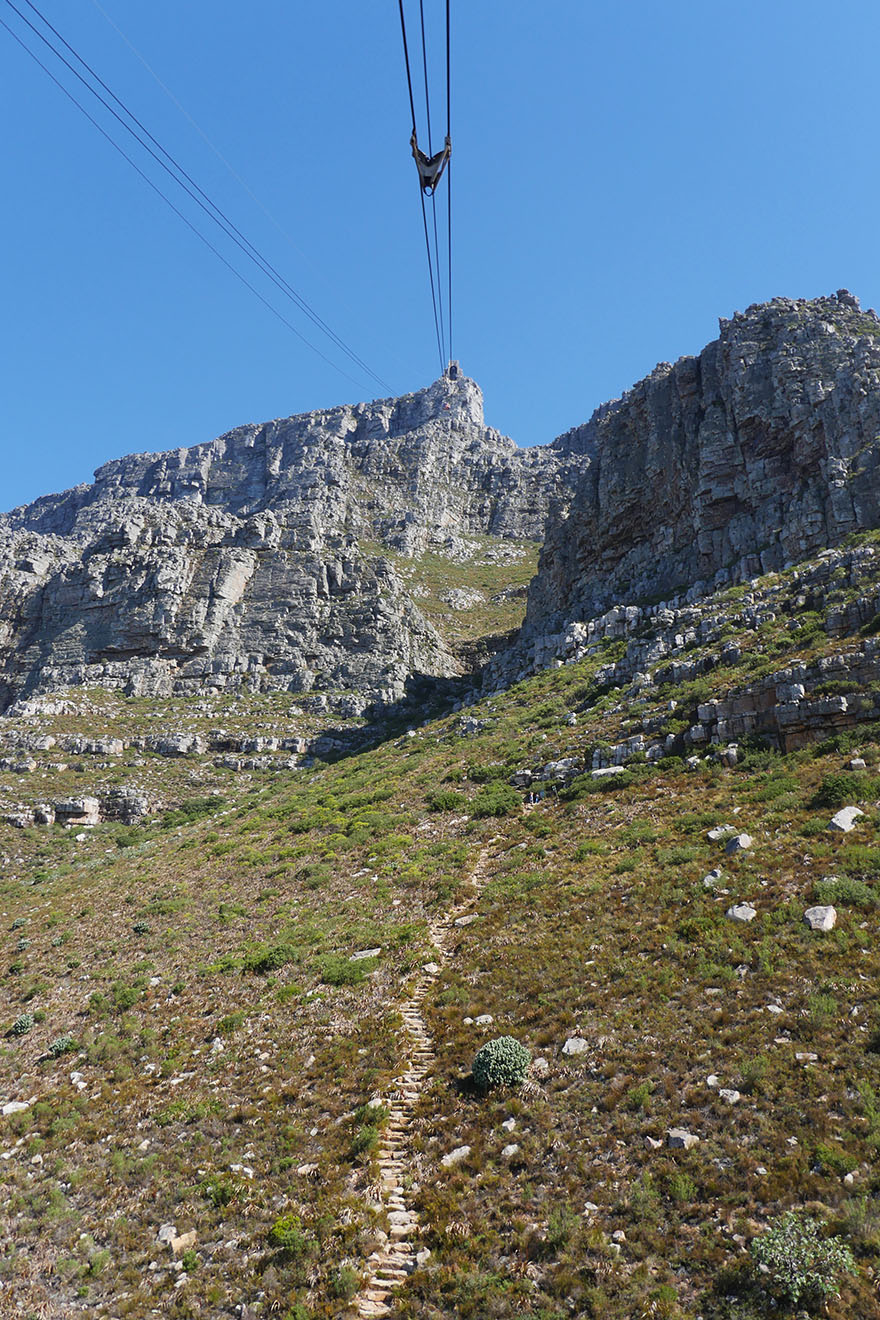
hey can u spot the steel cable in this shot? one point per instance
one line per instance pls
(190, 187)
(165, 198)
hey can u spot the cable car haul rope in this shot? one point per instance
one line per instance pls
(432, 167)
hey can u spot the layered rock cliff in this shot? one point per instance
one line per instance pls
(272, 558)
(762, 449)
(260, 559)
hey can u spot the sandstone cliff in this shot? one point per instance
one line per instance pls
(752, 455)
(260, 559)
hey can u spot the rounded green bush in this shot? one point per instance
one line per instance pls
(500, 1062)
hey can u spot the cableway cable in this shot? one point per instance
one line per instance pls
(449, 175)
(190, 187)
(212, 146)
(431, 168)
(165, 198)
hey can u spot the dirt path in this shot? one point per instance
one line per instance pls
(391, 1264)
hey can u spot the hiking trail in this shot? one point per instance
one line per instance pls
(390, 1265)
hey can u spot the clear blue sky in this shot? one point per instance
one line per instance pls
(624, 174)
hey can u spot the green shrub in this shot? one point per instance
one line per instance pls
(486, 774)
(445, 799)
(589, 848)
(500, 1062)
(842, 787)
(22, 1025)
(191, 810)
(269, 957)
(288, 1235)
(496, 800)
(364, 1141)
(834, 1160)
(344, 1283)
(681, 1188)
(846, 891)
(338, 970)
(799, 1261)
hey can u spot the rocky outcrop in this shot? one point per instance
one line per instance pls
(751, 456)
(260, 560)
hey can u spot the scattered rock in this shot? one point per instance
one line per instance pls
(575, 1045)
(741, 912)
(467, 920)
(484, 1020)
(821, 918)
(15, 1107)
(364, 953)
(739, 843)
(608, 770)
(455, 1156)
(732, 1097)
(679, 1139)
(845, 819)
(720, 832)
(183, 1243)
(509, 1151)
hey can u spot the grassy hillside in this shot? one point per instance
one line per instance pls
(201, 1053)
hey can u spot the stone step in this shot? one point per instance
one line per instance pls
(371, 1309)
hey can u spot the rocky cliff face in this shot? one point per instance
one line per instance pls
(257, 559)
(272, 558)
(761, 450)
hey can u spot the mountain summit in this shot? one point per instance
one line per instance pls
(270, 557)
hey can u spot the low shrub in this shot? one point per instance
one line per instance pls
(22, 1025)
(496, 800)
(842, 788)
(801, 1264)
(445, 799)
(500, 1062)
(846, 891)
(288, 1235)
(486, 774)
(338, 970)
(191, 810)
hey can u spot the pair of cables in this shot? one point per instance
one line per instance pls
(122, 120)
(431, 169)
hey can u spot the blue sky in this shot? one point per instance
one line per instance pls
(623, 176)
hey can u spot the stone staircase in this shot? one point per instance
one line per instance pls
(398, 1257)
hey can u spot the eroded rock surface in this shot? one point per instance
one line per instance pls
(261, 559)
(754, 454)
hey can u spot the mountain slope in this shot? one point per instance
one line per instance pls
(248, 968)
